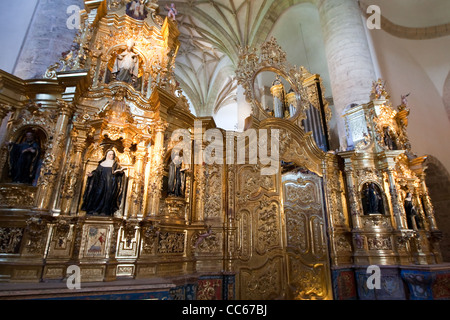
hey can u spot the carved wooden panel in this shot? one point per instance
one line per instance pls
(307, 262)
(213, 197)
(264, 283)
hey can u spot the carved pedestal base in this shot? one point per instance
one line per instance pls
(174, 210)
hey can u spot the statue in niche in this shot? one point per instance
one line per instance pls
(136, 9)
(412, 218)
(104, 187)
(24, 159)
(388, 140)
(372, 200)
(176, 177)
(126, 65)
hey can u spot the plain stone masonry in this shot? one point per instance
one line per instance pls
(47, 37)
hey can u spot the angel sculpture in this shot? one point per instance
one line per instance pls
(172, 11)
(404, 100)
(203, 236)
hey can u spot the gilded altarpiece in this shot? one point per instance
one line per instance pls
(228, 231)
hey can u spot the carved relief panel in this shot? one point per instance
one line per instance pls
(306, 244)
(259, 234)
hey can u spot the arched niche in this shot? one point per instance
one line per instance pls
(111, 67)
(13, 155)
(373, 199)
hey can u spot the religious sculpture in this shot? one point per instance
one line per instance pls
(412, 218)
(172, 11)
(176, 177)
(404, 99)
(126, 66)
(24, 159)
(372, 201)
(388, 140)
(104, 187)
(136, 9)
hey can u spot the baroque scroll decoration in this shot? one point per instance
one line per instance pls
(213, 196)
(272, 58)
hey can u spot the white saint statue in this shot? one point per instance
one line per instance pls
(126, 66)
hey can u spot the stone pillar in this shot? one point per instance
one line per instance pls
(348, 55)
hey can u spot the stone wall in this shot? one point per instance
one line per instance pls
(48, 36)
(438, 183)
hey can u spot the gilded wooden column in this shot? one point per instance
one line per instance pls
(52, 162)
(74, 169)
(199, 178)
(397, 207)
(138, 183)
(428, 206)
(101, 74)
(353, 195)
(4, 110)
(156, 174)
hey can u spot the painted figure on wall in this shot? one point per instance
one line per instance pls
(24, 159)
(104, 187)
(176, 177)
(136, 9)
(126, 66)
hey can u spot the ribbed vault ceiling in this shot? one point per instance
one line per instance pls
(213, 30)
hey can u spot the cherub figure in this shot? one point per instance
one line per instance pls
(404, 99)
(203, 236)
(172, 11)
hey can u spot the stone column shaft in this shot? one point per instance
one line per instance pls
(348, 54)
